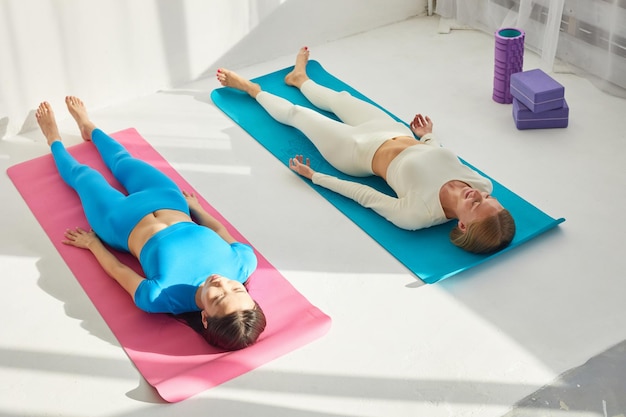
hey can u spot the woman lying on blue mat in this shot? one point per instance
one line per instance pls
(185, 263)
(432, 185)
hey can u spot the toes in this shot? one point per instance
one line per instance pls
(73, 101)
(43, 109)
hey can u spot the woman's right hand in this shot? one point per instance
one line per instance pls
(300, 166)
(192, 202)
(80, 238)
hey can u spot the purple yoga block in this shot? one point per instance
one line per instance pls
(537, 90)
(526, 119)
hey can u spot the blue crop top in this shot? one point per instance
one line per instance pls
(179, 258)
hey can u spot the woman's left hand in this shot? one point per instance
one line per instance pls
(421, 125)
(80, 238)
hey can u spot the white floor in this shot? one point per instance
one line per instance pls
(472, 345)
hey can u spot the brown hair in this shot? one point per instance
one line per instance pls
(487, 235)
(233, 331)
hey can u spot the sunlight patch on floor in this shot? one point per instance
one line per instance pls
(212, 169)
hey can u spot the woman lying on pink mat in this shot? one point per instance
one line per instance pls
(194, 270)
(432, 185)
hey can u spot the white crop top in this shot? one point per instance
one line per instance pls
(416, 175)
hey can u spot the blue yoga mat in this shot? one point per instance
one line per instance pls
(428, 253)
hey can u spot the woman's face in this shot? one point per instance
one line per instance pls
(221, 296)
(474, 205)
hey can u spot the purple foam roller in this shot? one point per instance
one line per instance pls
(508, 59)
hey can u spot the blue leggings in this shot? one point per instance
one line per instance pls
(110, 213)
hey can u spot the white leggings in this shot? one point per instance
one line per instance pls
(347, 146)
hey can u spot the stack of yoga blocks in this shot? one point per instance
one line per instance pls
(538, 101)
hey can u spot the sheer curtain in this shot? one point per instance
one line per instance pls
(587, 37)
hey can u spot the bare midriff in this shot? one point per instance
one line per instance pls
(388, 151)
(151, 224)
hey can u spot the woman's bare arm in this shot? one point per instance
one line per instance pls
(124, 275)
(205, 219)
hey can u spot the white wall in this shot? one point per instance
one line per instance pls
(108, 51)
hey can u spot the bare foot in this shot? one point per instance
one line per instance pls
(298, 75)
(78, 111)
(231, 79)
(47, 122)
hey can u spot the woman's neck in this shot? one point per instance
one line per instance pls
(198, 298)
(448, 197)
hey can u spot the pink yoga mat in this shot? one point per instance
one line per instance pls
(171, 356)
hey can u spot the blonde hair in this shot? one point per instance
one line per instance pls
(486, 236)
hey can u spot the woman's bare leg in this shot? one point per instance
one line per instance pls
(47, 122)
(78, 111)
